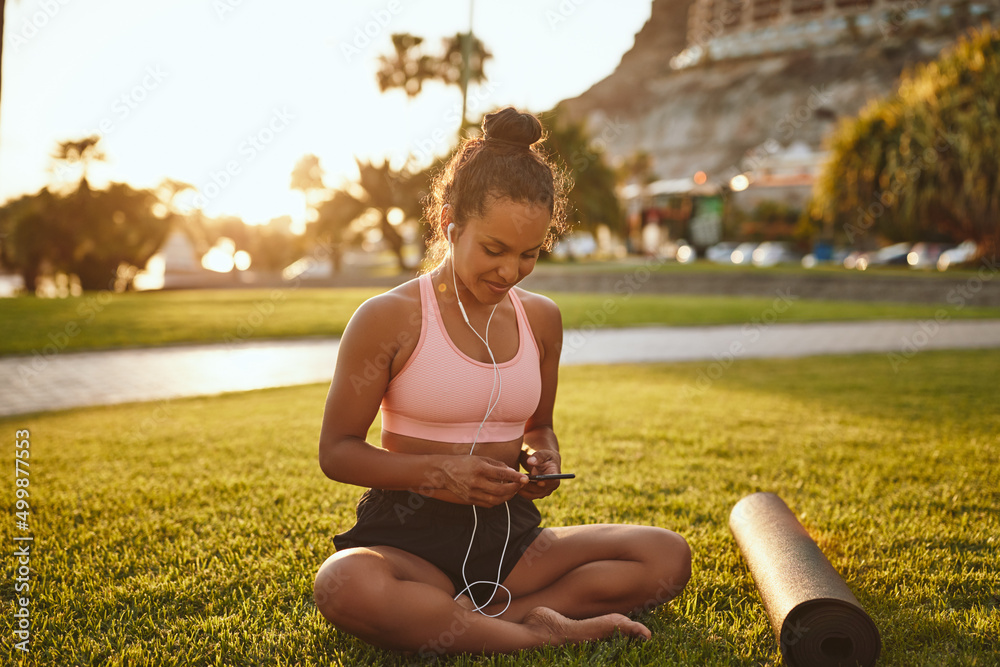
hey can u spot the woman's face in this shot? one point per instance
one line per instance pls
(493, 253)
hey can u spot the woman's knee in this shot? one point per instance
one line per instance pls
(682, 559)
(671, 558)
(337, 576)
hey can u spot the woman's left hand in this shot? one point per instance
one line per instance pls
(541, 462)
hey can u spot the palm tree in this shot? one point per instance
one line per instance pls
(464, 58)
(407, 67)
(462, 62)
(380, 189)
(81, 154)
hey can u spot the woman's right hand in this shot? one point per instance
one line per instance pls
(478, 480)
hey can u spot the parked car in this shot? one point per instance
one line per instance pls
(894, 254)
(685, 253)
(577, 245)
(831, 256)
(721, 253)
(891, 255)
(770, 253)
(743, 254)
(851, 260)
(925, 255)
(963, 252)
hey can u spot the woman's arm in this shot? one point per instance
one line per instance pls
(540, 450)
(366, 360)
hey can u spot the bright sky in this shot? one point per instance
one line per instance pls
(228, 94)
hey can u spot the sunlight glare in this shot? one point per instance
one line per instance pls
(242, 260)
(153, 276)
(220, 257)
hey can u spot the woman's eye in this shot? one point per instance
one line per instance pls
(491, 253)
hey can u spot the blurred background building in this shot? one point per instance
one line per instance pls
(738, 95)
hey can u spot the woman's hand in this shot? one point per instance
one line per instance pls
(482, 481)
(542, 462)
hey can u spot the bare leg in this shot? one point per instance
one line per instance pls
(584, 571)
(395, 600)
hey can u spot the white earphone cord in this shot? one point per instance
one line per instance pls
(497, 387)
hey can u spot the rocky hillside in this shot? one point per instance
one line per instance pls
(723, 117)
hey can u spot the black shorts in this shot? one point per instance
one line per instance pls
(439, 532)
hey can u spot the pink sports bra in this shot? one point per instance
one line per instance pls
(441, 394)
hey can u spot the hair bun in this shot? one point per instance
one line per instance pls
(510, 127)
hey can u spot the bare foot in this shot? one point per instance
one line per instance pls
(557, 629)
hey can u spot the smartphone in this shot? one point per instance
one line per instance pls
(562, 475)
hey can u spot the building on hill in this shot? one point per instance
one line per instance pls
(744, 92)
(720, 29)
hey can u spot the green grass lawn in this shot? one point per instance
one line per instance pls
(104, 320)
(188, 532)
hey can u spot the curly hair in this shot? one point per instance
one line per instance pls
(506, 162)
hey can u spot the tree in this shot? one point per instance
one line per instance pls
(380, 189)
(923, 163)
(592, 200)
(77, 155)
(462, 61)
(333, 219)
(637, 169)
(102, 236)
(307, 177)
(407, 68)
(32, 240)
(117, 231)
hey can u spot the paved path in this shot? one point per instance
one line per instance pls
(34, 383)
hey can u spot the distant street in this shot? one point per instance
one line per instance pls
(31, 384)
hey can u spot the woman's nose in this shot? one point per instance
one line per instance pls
(508, 270)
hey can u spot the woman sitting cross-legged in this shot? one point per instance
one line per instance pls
(448, 554)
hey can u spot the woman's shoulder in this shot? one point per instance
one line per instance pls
(542, 312)
(390, 312)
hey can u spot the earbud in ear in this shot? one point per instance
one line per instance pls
(450, 227)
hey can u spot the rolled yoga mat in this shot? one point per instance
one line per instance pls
(817, 621)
